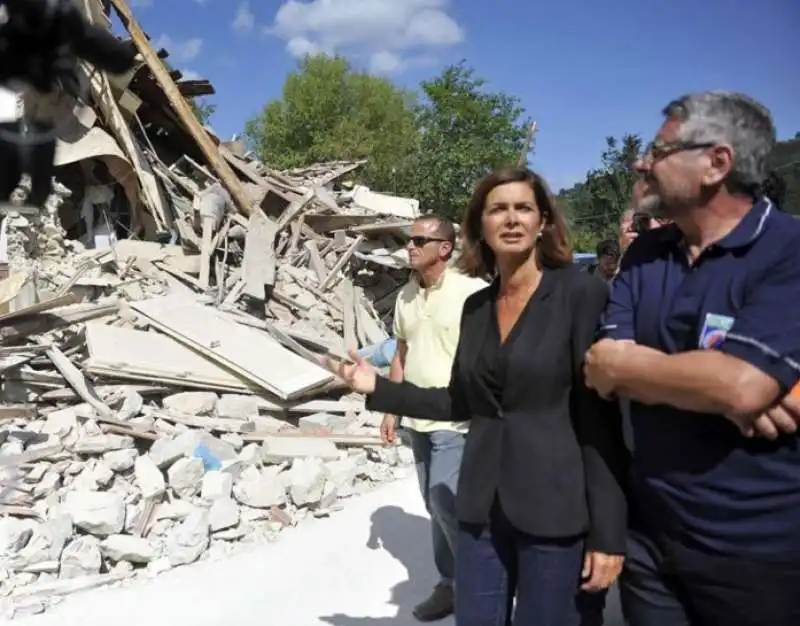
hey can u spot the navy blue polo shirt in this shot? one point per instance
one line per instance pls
(695, 476)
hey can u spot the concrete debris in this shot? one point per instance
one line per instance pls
(161, 327)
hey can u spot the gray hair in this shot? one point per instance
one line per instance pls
(723, 117)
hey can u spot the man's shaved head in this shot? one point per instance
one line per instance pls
(444, 228)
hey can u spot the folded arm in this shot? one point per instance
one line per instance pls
(756, 364)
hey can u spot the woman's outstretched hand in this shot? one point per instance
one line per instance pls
(359, 375)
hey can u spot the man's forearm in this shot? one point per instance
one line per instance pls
(706, 381)
(397, 366)
(396, 371)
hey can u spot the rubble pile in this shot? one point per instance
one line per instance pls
(161, 325)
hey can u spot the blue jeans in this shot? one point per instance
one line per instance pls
(438, 459)
(497, 563)
(666, 583)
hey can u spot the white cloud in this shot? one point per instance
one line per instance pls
(300, 47)
(385, 62)
(244, 20)
(190, 75)
(179, 51)
(389, 34)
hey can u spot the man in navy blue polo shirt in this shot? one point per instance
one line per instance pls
(702, 333)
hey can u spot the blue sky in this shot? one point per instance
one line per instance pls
(583, 69)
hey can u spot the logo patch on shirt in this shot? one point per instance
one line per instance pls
(714, 331)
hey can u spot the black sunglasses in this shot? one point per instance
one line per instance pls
(421, 240)
(661, 149)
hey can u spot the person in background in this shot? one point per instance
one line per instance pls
(608, 254)
(774, 188)
(626, 231)
(540, 502)
(633, 221)
(703, 335)
(426, 327)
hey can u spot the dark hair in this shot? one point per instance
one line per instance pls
(554, 249)
(774, 188)
(608, 248)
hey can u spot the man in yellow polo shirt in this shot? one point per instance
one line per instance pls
(426, 325)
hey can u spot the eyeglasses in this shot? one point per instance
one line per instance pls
(661, 149)
(420, 240)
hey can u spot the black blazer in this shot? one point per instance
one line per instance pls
(552, 450)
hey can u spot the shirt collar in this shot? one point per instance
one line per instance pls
(435, 286)
(747, 231)
(750, 227)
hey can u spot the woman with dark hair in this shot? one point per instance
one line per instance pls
(540, 503)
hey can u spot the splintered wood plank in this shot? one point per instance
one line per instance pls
(250, 353)
(259, 255)
(295, 208)
(315, 261)
(143, 355)
(347, 296)
(365, 322)
(182, 108)
(340, 263)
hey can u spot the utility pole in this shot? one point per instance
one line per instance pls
(529, 145)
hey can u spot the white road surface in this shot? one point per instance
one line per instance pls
(367, 565)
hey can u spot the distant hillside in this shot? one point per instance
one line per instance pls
(785, 160)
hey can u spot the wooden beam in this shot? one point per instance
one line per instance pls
(182, 108)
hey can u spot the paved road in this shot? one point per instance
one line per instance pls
(365, 566)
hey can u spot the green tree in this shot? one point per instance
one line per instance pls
(330, 111)
(202, 109)
(785, 161)
(465, 132)
(594, 207)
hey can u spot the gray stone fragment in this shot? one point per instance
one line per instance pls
(260, 490)
(237, 406)
(280, 449)
(14, 535)
(216, 485)
(342, 473)
(306, 480)
(185, 476)
(128, 548)
(97, 512)
(224, 513)
(189, 539)
(98, 444)
(127, 403)
(191, 402)
(149, 478)
(120, 460)
(81, 557)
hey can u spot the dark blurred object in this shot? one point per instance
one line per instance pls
(41, 42)
(774, 187)
(640, 223)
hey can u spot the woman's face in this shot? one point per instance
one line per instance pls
(511, 220)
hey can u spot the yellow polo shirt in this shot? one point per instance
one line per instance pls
(428, 321)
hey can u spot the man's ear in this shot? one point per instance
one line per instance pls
(721, 163)
(447, 249)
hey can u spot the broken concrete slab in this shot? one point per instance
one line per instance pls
(281, 449)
